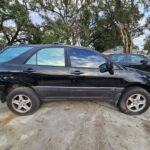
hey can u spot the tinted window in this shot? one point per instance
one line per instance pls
(48, 56)
(12, 52)
(148, 59)
(32, 60)
(85, 58)
(119, 58)
(135, 59)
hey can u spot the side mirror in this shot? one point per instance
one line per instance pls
(144, 62)
(106, 67)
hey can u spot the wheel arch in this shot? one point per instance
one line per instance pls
(9, 87)
(145, 87)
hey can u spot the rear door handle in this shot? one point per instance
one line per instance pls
(29, 70)
(77, 72)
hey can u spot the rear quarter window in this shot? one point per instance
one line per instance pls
(12, 52)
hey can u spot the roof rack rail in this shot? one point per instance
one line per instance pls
(22, 43)
(57, 43)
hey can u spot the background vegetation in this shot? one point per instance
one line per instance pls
(102, 24)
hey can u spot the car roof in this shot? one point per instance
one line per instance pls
(127, 54)
(51, 45)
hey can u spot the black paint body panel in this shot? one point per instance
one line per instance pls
(58, 83)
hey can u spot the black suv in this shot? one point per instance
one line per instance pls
(132, 60)
(30, 74)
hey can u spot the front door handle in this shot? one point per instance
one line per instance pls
(77, 72)
(29, 70)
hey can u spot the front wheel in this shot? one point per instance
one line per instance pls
(134, 101)
(23, 101)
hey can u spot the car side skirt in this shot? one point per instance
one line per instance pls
(51, 93)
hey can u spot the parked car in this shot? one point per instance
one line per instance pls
(148, 57)
(132, 60)
(31, 74)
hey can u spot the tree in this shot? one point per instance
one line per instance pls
(147, 45)
(102, 24)
(69, 16)
(2, 43)
(105, 34)
(135, 47)
(13, 18)
(124, 16)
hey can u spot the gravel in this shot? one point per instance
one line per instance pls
(74, 125)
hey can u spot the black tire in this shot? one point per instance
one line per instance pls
(27, 94)
(123, 103)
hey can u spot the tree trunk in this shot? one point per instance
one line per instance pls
(126, 38)
(126, 41)
(73, 35)
(148, 52)
(130, 45)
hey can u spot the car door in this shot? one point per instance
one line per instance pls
(87, 82)
(137, 61)
(49, 74)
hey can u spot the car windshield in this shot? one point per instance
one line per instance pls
(12, 52)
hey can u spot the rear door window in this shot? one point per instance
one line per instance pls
(48, 56)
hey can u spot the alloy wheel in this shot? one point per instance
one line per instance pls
(21, 103)
(136, 102)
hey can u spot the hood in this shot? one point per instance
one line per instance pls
(144, 74)
(139, 71)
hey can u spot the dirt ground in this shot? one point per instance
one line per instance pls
(74, 126)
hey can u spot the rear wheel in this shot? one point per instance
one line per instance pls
(23, 101)
(134, 101)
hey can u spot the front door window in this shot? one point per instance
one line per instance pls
(85, 58)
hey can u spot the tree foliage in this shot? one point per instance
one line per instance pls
(147, 45)
(122, 17)
(13, 20)
(102, 24)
